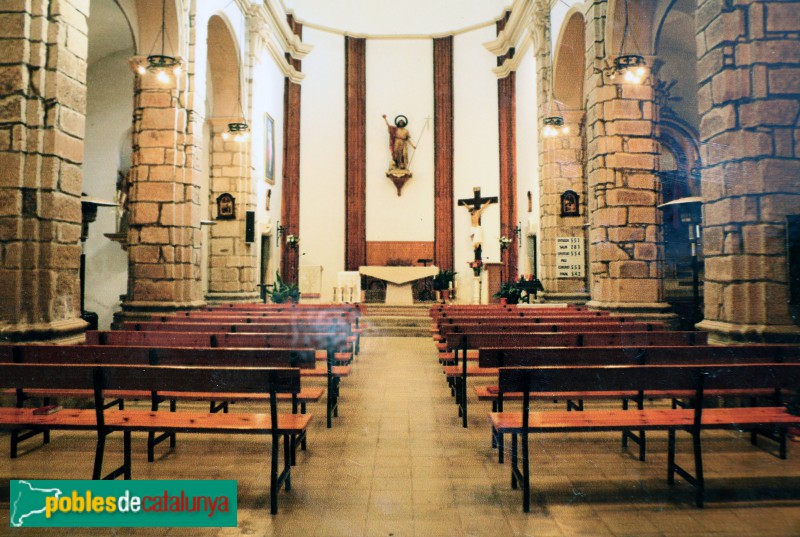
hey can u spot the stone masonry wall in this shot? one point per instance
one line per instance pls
(232, 260)
(164, 200)
(622, 165)
(749, 102)
(43, 50)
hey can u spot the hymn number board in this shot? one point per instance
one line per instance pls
(569, 257)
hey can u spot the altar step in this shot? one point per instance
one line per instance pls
(397, 321)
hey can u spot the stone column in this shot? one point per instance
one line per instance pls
(625, 249)
(562, 159)
(232, 274)
(164, 230)
(44, 47)
(748, 90)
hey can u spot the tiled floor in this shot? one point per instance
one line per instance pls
(398, 463)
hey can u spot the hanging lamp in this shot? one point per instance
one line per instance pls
(630, 66)
(162, 65)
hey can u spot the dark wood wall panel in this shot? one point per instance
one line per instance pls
(290, 206)
(355, 153)
(381, 252)
(507, 113)
(443, 151)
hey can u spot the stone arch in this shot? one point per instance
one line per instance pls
(224, 68)
(569, 61)
(112, 31)
(229, 168)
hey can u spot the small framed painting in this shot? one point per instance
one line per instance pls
(269, 155)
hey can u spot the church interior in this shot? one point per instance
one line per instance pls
(513, 177)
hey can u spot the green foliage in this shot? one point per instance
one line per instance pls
(282, 292)
(442, 280)
(510, 291)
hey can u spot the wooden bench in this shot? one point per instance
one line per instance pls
(331, 344)
(494, 358)
(104, 378)
(501, 326)
(697, 379)
(464, 342)
(106, 355)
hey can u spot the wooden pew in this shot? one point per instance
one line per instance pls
(103, 378)
(464, 342)
(106, 355)
(501, 326)
(330, 343)
(642, 355)
(697, 379)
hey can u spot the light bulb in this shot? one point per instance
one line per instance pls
(549, 132)
(640, 71)
(162, 76)
(226, 136)
(177, 71)
(141, 70)
(565, 130)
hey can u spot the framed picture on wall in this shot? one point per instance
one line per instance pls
(269, 155)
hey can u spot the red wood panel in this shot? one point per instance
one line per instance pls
(290, 206)
(355, 153)
(506, 103)
(379, 253)
(443, 151)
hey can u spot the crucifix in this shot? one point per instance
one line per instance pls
(476, 205)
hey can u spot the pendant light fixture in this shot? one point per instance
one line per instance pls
(631, 67)
(554, 124)
(164, 66)
(238, 131)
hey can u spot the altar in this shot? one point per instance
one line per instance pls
(398, 280)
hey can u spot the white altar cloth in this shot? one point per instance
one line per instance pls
(398, 280)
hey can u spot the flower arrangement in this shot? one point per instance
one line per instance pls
(505, 242)
(292, 241)
(443, 280)
(283, 292)
(476, 265)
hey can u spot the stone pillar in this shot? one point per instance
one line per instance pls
(42, 119)
(164, 230)
(562, 159)
(625, 250)
(232, 261)
(748, 91)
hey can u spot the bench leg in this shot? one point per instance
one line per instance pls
(513, 460)
(288, 459)
(126, 454)
(464, 423)
(273, 476)
(698, 469)
(501, 448)
(526, 476)
(98, 456)
(671, 457)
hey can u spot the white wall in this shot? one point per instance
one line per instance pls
(322, 158)
(476, 156)
(109, 109)
(399, 81)
(393, 17)
(527, 153)
(268, 81)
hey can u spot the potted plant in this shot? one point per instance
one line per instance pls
(282, 292)
(508, 293)
(443, 282)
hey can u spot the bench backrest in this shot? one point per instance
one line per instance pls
(528, 319)
(648, 377)
(701, 354)
(116, 354)
(151, 378)
(501, 326)
(222, 326)
(335, 342)
(480, 340)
